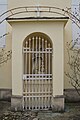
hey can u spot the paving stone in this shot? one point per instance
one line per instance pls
(72, 112)
(35, 119)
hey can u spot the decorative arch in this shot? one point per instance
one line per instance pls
(40, 9)
(37, 74)
(39, 34)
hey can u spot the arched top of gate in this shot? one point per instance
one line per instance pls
(40, 35)
(38, 11)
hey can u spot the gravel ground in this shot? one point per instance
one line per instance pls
(72, 112)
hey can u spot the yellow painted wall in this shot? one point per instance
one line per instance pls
(57, 3)
(6, 80)
(52, 28)
(6, 68)
(68, 38)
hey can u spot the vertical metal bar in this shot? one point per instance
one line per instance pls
(46, 57)
(42, 70)
(29, 71)
(32, 72)
(23, 80)
(26, 73)
(46, 83)
(39, 71)
(26, 59)
(36, 55)
(49, 76)
(36, 71)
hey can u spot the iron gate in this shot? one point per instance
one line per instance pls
(37, 77)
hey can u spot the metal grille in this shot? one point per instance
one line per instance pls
(37, 77)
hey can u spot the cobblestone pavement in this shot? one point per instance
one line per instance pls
(72, 112)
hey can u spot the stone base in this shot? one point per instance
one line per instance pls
(16, 103)
(5, 94)
(71, 95)
(58, 104)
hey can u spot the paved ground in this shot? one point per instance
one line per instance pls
(72, 112)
